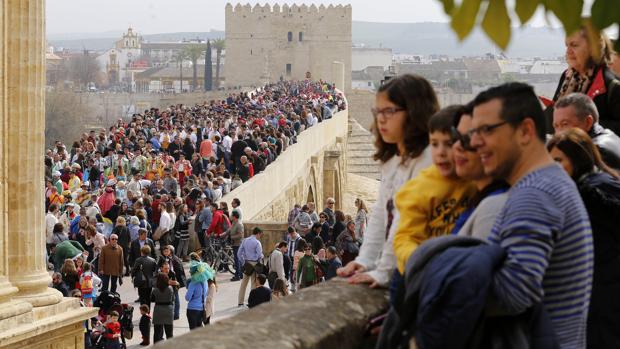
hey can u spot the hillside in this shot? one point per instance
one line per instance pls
(410, 38)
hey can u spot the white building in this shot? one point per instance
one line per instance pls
(362, 57)
(123, 60)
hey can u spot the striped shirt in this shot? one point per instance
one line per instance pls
(546, 233)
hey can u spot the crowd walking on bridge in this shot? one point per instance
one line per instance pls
(123, 202)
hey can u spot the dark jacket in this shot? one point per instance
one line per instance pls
(259, 295)
(601, 196)
(148, 267)
(334, 264)
(444, 299)
(607, 104)
(176, 266)
(134, 250)
(608, 144)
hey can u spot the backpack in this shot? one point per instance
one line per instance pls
(86, 284)
(220, 152)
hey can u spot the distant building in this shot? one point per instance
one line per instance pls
(121, 62)
(162, 53)
(367, 79)
(168, 79)
(363, 57)
(289, 42)
(53, 68)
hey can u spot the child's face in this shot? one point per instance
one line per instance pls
(113, 318)
(441, 152)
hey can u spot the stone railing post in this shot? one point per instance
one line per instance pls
(25, 118)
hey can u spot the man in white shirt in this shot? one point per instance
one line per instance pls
(276, 264)
(51, 218)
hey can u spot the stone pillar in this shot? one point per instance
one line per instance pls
(331, 177)
(338, 75)
(8, 308)
(25, 118)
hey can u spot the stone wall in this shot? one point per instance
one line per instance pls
(311, 170)
(258, 48)
(329, 315)
(273, 232)
(105, 108)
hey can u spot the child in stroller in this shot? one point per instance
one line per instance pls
(108, 302)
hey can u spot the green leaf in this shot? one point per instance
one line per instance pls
(464, 18)
(525, 9)
(605, 13)
(448, 6)
(568, 12)
(496, 23)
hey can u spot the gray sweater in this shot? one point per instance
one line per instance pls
(481, 221)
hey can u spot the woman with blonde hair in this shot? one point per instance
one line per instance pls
(590, 75)
(360, 218)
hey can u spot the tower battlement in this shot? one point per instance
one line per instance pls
(285, 9)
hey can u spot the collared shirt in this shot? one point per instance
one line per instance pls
(250, 250)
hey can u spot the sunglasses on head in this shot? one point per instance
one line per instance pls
(464, 139)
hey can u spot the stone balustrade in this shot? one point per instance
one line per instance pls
(329, 315)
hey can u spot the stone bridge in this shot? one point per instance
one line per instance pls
(313, 169)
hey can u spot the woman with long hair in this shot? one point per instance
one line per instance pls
(163, 312)
(403, 107)
(360, 218)
(599, 187)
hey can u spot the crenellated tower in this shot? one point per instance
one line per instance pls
(266, 43)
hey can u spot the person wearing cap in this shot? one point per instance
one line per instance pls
(250, 253)
(56, 181)
(74, 181)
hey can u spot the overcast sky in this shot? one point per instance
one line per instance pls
(165, 16)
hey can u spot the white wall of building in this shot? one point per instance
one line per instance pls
(361, 58)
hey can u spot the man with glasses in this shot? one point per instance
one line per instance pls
(111, 264)
(329, 211)
(544, 227)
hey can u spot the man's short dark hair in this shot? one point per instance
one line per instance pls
(281, 244)
(442, 120)
(332, 250)
(236, 201)
(257, 231)
(235, 214)
(519, 102)
(261, 278)
(290, 230)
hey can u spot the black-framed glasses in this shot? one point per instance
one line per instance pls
(465, 139)
(485, 130)
(388, 113)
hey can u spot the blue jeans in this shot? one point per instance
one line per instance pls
(177, 303)
(194, 318)
(238, 272)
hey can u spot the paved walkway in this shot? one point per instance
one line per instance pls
(225, 305)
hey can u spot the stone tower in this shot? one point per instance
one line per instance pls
(289, 42)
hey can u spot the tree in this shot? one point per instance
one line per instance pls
(219, 45)
(193, 53)
(494, 19)
(63, 116)
(180, 57)
(83, 69)
(208, 83)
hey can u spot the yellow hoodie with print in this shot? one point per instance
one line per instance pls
(428, 205)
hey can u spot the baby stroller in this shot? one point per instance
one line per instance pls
(107, 302)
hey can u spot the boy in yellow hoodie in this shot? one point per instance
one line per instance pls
(430, 203)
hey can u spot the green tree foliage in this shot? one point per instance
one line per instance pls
(219, 45)
(193, 53)
(494, 17)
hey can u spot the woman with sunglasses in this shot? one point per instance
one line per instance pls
(403, 106)
(479, 217)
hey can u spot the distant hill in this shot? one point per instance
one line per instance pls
(438, 38)
(409, 38)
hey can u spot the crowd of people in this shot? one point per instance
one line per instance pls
(493, 222)
(121, 202)
(495, 219)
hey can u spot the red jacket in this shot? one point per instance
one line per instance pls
(216, 224)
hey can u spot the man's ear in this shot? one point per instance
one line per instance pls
(589, 122)
(526, 131)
